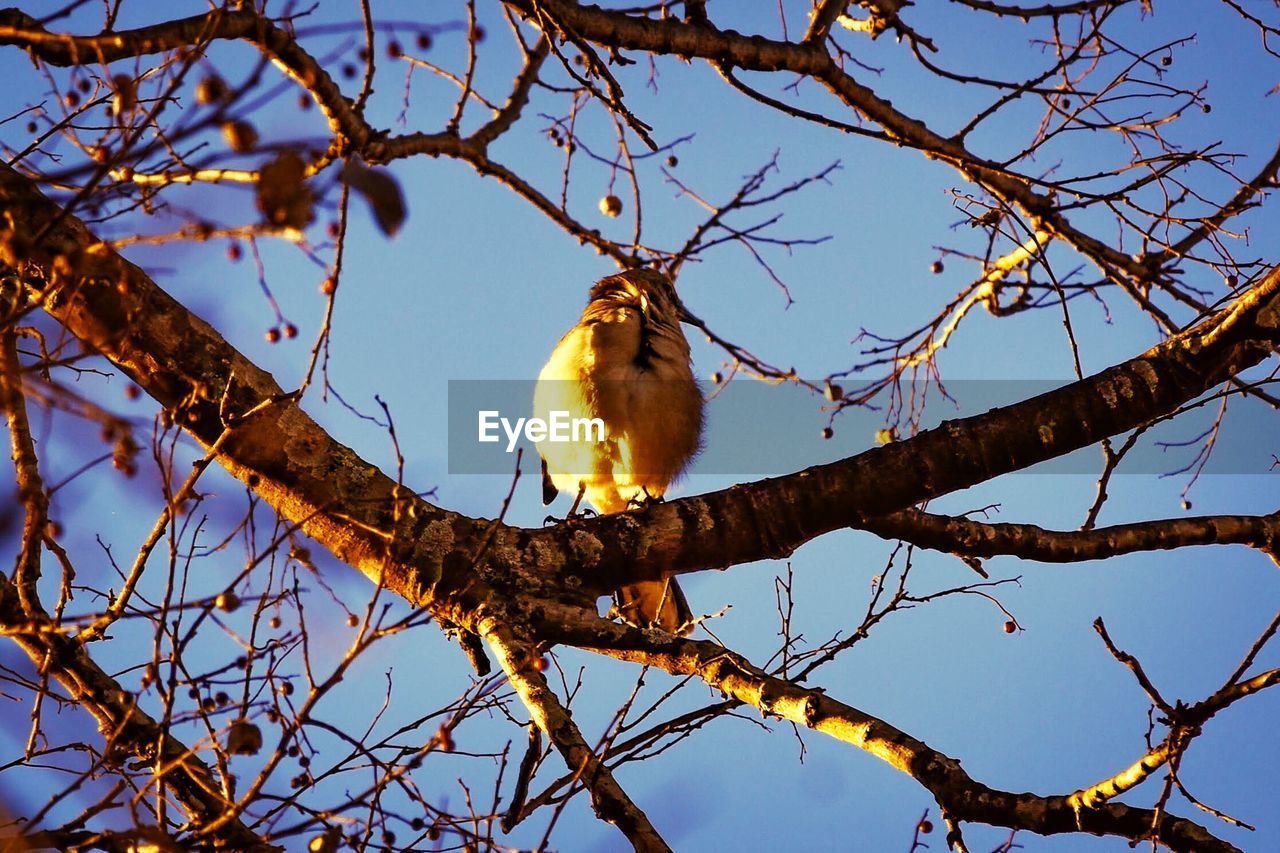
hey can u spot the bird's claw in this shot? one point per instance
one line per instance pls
(580, 515)
(644, 501)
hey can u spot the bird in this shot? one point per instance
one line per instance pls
(627, 363)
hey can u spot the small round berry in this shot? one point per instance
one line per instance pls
(480, 33)
(126, 93)
(717, 378)
(210, 90)
(273, 335)
(541, 663)
(611, 206)
(290, 331)
(286, 688)
(936, 267)
(32, 127)
(828, 432)
(72, 100)
(352, 620)
(227, 602)
(84, 85)
(348, 71)
(1166, 61)
(53, 529)
(926, 827)
(274, 622)
(1010, 626)
(423, 41)
(305, 102)
(241, 136)
(328, 286)
(234, 252)
(132, 392)
(394, 50)
(673, 161)
(1206, 109)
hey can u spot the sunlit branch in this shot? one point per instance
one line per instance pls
(962, 796)
(611, 803)
(960, 535)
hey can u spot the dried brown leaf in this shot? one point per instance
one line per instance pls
(381, 191)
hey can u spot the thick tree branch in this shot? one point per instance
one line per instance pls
(31, 491)
(822, 18)
(611, 803)
(771, 518)
(958, 535)
(206, 385)
(428, 554)
(1126, 780)
(1052, 10)
(964, 798)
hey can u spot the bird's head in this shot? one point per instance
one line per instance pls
(649, 290)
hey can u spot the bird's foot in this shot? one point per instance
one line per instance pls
(644, 501)
(581, 515)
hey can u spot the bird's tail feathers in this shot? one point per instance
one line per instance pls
(659, 604)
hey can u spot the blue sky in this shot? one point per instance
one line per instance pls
(479, 285)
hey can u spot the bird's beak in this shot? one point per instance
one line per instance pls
(685, 316)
